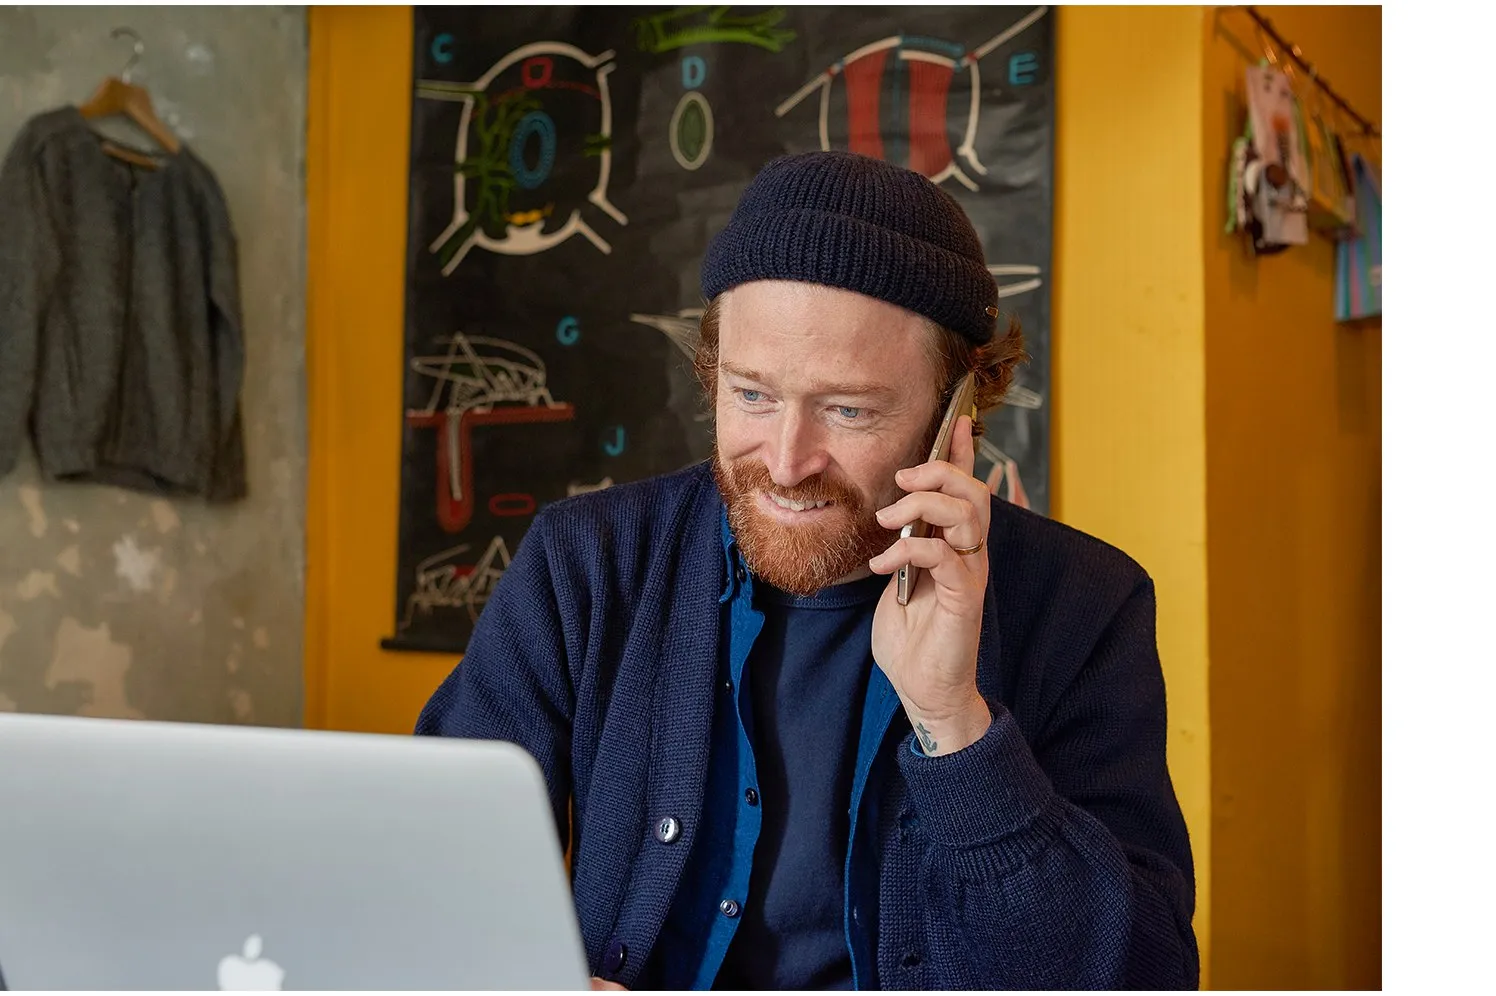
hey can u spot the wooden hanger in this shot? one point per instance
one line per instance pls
(117, 95)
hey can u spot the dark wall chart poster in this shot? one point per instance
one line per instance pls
(568, 166)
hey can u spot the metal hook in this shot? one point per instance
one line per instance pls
(139, 50)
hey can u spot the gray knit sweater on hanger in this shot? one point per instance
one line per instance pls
(121, 344)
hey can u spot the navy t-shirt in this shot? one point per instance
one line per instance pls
(807, 676)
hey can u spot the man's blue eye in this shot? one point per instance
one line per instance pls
(752, 396)
(849, 413)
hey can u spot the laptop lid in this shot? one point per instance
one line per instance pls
(139, 855)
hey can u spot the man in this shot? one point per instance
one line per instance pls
(771, 774)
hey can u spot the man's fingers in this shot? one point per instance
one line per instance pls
(964, 446)
(931, 490)
(934, 555)
(945, 477)
(934, 507)
(603, 985)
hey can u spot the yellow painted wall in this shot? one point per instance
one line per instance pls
(359, 124)
(1293, 419)
(1129, 342)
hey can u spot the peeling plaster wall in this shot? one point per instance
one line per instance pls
(118, 603)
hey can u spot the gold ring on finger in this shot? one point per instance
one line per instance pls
(967, 551)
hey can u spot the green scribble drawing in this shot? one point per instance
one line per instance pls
(596, 144)
(488, 173)
(697, 25)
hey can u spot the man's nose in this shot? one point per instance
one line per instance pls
(796, 450)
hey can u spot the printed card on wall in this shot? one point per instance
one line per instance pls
(568, 167)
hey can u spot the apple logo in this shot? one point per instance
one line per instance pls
(250, 971)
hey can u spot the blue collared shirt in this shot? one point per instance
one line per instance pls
(706, 913)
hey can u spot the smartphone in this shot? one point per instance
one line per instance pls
(963, 402)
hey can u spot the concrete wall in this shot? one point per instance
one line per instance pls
(114, 603)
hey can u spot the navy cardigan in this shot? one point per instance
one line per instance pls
(1050, 854)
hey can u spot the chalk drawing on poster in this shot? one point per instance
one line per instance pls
(639, 407)
(577, 488)
(1019, 396)
(682, 328)
(615, 440)
(503, 196)
(932, 64)
(1013, 289)
(684, 26)
(1004, 470)
(477, 372)
(692, 126)
(691, 130)
(511, 504)
(477, 381)
(444, 581)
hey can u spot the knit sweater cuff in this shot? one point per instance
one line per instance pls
(981, 793)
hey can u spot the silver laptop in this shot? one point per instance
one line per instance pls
(139, 855)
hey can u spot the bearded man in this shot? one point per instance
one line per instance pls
(768, 772)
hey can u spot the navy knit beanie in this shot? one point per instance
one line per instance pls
(851, 221)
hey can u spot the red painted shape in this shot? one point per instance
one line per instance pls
(929, 143)
(515, 414)
(590, 91)
(454, 515)
(864, 85)
(450, 512)
(527, 68)
(511, 504)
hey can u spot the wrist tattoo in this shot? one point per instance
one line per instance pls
(926, 741)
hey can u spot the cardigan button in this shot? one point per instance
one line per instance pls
(615, 957)
(729, 907)
(667, 830)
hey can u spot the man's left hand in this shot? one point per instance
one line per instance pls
(928, 648)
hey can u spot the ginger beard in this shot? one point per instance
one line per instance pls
(805, 559)
(800, 559)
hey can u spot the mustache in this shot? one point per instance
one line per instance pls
(753, 475)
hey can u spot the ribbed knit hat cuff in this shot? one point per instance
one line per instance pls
(839, 250)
